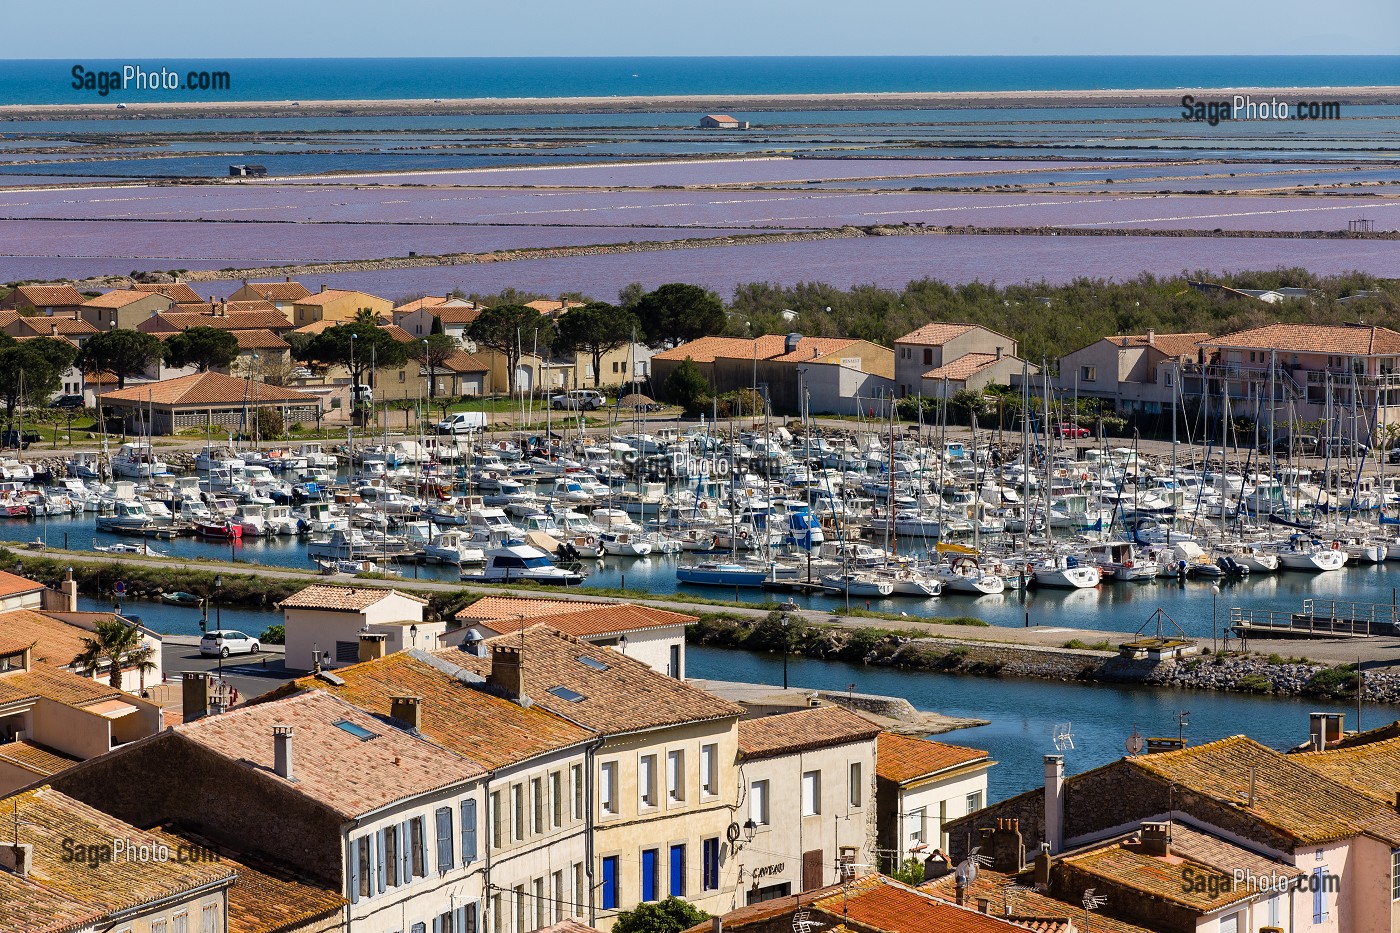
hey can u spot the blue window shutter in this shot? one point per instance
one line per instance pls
(468, 831)
(379, 872)
(354, 860)
(1319, 897)
(405, 853)
(444, 840)
(422, 822)
(677, 871)
(610, 883)
(437, 924)
(649, 874)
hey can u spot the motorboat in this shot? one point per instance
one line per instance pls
(1065, 571)
(1121, 560)
(857, 583)
(1302, 552)
(625, 544)
(452, 547)
(138, 460)
(518, 562)
(126, 515)
(964, 574)
(719, 573)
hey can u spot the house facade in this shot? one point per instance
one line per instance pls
(938, 344)
(123, 308)
(322, 619)
(281, 295)
(338, 305)
(57, 300)
(1132, 373)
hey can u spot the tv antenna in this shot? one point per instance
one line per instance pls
(1063, 736)
(1091, 903)
(1183, 719)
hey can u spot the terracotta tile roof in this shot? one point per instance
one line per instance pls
(1170, 344)
(935, 334)
(55, 642)
(427, 301)
(883, 904)
(398, 333)
(454, 314)
(180, 291)
(209, 388)
(1031, 909)
(552, 305)
(262, 900)
(488, 608)
(13, 644)
(117, 298)
(1344, 339)
(463, 717)
(279, 291)
(803, 730)
(35, 758)
(333, 766)
(9, 317)
(1379, 734)
(463, 362)
(315, 327)
(1290, 796)
(599, 619)
(49, 296)
(12, 584)
(45, 680)
(626, 696)
(902, 758)
(267, 319)
(1122, 861)
(568, 926)
(706, 349)
(25, 907)
(333, 294)
(342, 598)
(43, 326)
(1372, 769)
(969, 364)
(809, 348)
(260, 340)
(48, 818)
(767, 347)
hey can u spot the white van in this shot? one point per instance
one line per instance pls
(579, 400)
(464, 422)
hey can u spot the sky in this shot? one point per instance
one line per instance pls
(81, 29)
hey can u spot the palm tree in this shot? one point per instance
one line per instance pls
(367, 316)
(119, 646)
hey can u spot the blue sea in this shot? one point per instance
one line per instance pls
(51, 81)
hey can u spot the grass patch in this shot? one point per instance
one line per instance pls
(896, 617)
(1332, 682)
(1254, 683)
(1076, 644)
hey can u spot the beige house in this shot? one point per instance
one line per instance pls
(63, 300)
(454, 315)
(205, 400)
(938, 344)
(974, 372)
(1131, 372)
(921, 786)
(338, 305)
(323, 619)
(281, 295)
(123, 308)
(809, 786)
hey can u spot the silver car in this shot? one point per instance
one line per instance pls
(221, 643)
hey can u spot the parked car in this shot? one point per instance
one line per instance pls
(69, 401)
(221, 643)
(463, 422)
(1345, 447)
(579, 400)
(10, 439)
(1072, 431)
(1304, 445)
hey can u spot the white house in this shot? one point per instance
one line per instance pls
(921, 785)
(323, 620)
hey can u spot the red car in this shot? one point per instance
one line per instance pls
(1074, 431)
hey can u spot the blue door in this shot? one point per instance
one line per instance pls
(677, 871)
(610, 882)
(649, 875)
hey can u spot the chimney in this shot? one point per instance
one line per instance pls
(372, 645)
(323, 286)
(1324, 730)
(983, 905)
(1043, 862)
(507, 673)
(936, 865)
(53, 329)
(282, 751)
(195, 695)
(1008, 849)
(407, 710)
(1055, 802)
(999, 352)
(286, 278)
(18, 858)
(1156, 838)
(65, 597)
(716, 925)
(1151, 336)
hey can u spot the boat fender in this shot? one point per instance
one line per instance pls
(591, 540)
(1128, 564)
(1336, 545)
(743, 536)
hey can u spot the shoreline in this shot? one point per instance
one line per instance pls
(680, 103)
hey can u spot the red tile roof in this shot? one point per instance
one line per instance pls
(768, 347)
(49, 296)
(935, 334)
(279, 291)
(35, 758)
(342, 598)
(802, 730)
(966, 366)
(55, 641)
(903, 758)
(12, 584)
(1343, 339)
(209, 388)
(119, 298)
(1169, 344)
(584, 620)
(334, 294)
(43, 326)
(463, 362)
(260, 340)
(266, 319)
(180, 291)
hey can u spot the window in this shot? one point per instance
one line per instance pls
(974, 802)
(556, 800)
(537, 806)
(362, 866)
(607, 787)
(158, 926)
(520, 914)
(709, 761)
(180, 923)
(402, 375)
(541, 905)
(758, 802)
(677, 888)
(616, 367)
(564, 693)
(466, 919)
(594, 663)
(1168, 381)
(418, 928)
(675, 776)
(857, 785)
(1230, 924)
(646, 781)
(928, 356)
(209, 919)
(610, 883)
(576, 778)
(649, 875)
(498, 918)
(419, 844)
(559, 896)
(445, 858)
(710, 857)
(811, 793)
(1395, 875)
(497, 819)
(1275, 910)
(468, 831)
(358, 731)
(392, 858)
(578, 887)
(517, 812)
(1088, 374)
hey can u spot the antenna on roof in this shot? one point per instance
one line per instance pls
(1063, 736)
(1091, 902)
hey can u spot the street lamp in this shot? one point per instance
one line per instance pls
(218, 607)
(750, 830)
(1214, 617)
(622, 644)
(787, 619)
(413, 634)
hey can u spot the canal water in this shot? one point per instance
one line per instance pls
(1111, 607)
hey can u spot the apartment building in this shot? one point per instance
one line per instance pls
(281, 295)
(807, 778)
(1130, 372)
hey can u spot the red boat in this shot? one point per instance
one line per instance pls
(223, 530)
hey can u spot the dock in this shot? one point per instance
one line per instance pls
(1318, 619)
